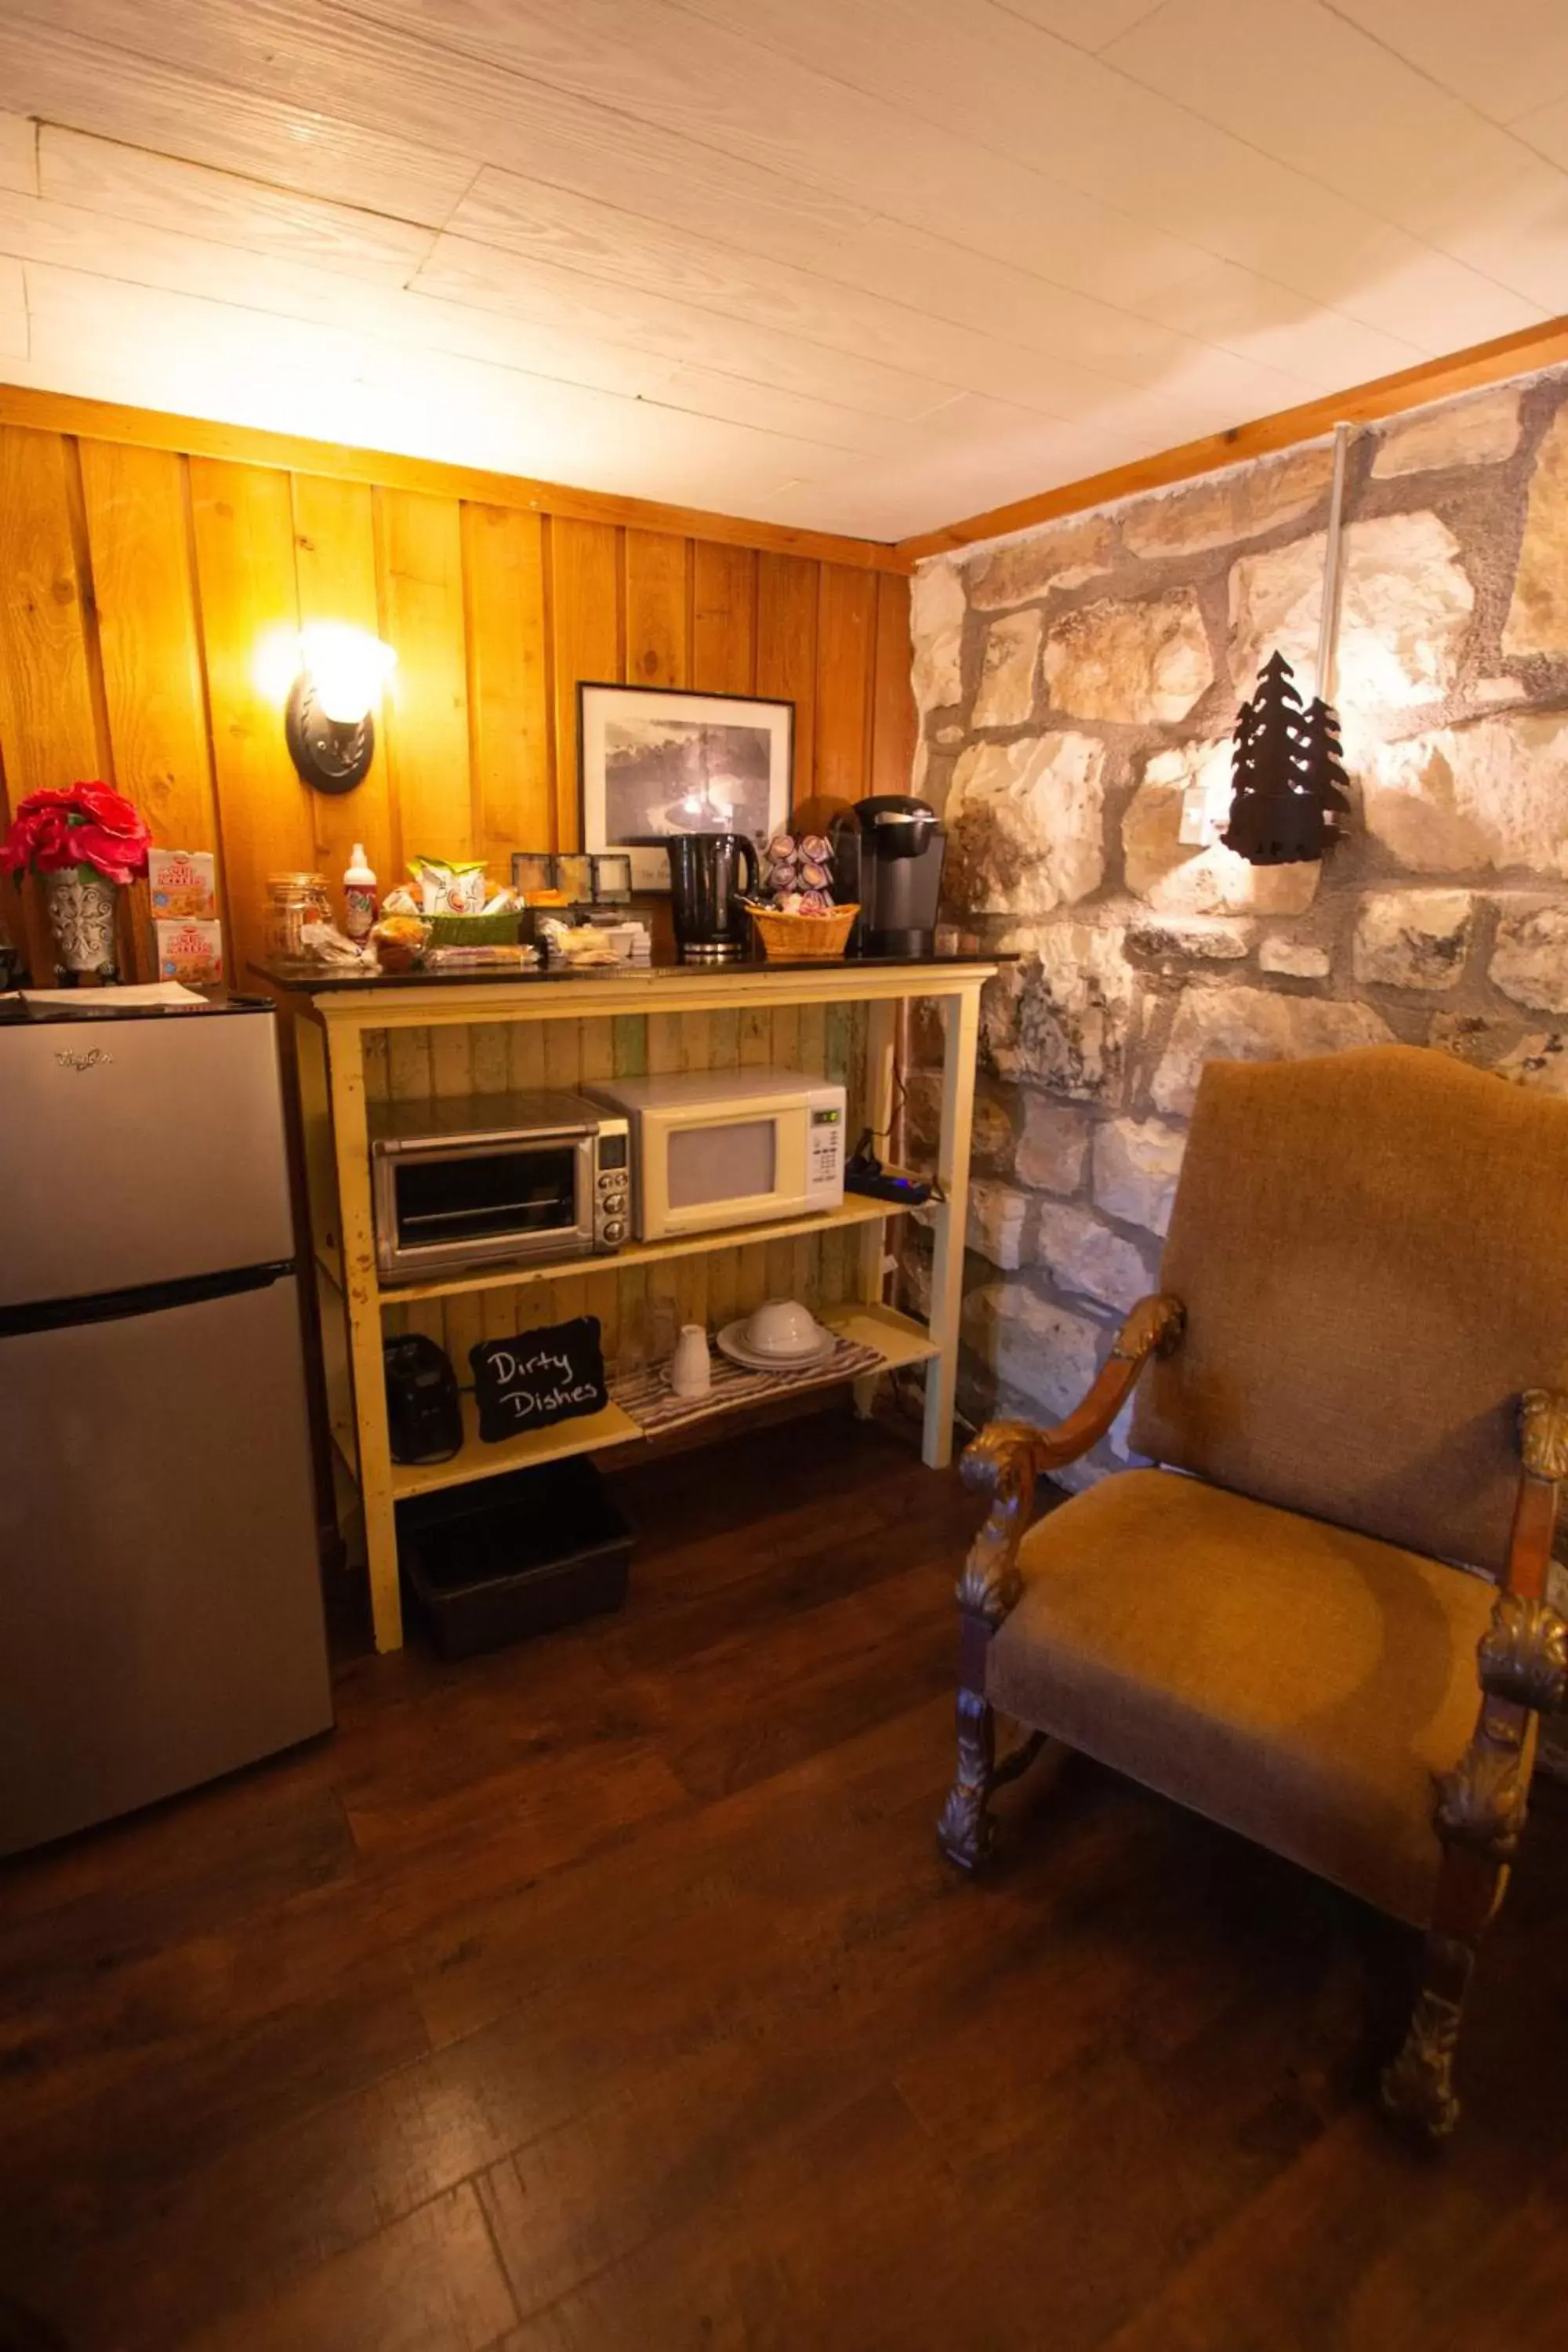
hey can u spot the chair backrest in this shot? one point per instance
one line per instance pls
(1372, 1251)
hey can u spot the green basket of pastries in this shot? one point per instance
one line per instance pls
(497, 931)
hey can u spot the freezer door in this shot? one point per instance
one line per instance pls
(137, 1151)
(160, 1603)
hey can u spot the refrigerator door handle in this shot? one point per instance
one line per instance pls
(144, 1298)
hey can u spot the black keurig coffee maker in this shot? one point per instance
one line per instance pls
(888, 853)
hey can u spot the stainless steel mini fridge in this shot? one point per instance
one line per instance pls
(160, 1602)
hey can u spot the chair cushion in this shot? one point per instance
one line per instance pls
(1295, 1681)
(1372, 1251)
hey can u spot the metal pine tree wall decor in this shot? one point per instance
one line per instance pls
(1286, 773)
(1286, 765)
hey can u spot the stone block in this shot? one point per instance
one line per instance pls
(1254, 1025)
(1538, 616)
(1481, 432)
(1030, 1344)
(1059, 555)
(1135, 664)
(1412, 938)
(1494, 794)
(1473, 1037)
(1053, 1149)
(1177, 878)
(997, 1223)
(1240, 504)
(936, 634)
(990, 1143)
(1082, 1254)
(1174, 940)
(1136, 1164)
(1525, 1058)
(1062, 1014)
(1005, 695)
(1293, 958)
(1530, 960)
(913, 1252)
(1405, 611)
(1539, 1060)
(1023, 822)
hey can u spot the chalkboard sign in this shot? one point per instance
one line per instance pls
(538, 1377)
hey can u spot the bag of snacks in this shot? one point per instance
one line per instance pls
(445, 888)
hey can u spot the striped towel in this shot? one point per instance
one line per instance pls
(648, 1398)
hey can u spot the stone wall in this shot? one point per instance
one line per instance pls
(1075, 681)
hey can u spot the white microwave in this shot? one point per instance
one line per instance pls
(717, 1148)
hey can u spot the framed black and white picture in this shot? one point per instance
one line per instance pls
(654, 761)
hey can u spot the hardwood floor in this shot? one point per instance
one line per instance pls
(610, 1993)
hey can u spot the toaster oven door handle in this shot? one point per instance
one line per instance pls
(459, 1147)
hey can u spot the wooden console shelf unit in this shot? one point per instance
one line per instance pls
(336, 1027)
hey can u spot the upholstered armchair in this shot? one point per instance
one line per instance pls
(1322, 1618)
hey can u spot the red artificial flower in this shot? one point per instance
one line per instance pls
(117, 860)
(61, 825)
(110, 809)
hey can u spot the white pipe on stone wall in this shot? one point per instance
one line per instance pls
(1328, 621)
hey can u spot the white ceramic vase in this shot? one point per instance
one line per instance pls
(690, 1370)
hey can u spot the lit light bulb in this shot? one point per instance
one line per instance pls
(348, 669)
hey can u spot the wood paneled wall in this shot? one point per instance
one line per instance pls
(137, 583)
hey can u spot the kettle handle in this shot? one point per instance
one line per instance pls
(751, 866)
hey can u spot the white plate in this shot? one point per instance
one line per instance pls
(730, 1344)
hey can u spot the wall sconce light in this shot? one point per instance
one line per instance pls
(329, 723)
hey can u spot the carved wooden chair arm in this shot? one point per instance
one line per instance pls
(1007, 1456)
(1521, 1658)
(1523, 1654)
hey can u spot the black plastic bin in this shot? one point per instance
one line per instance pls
(519, 1554)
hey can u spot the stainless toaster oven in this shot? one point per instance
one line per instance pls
(496, 1180)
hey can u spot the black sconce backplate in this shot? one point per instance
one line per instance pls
(331, 755)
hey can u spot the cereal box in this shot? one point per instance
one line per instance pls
(182, 882)
(191, 952)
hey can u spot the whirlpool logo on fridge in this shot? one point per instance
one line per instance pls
(91, 1060)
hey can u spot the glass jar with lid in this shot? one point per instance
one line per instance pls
(292, 901)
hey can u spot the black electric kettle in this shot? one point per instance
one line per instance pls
(708, 874)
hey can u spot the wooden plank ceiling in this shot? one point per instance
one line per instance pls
(861, 266)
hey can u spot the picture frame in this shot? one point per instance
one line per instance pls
(654, 760)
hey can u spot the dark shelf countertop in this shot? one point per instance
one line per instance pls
(316, 980)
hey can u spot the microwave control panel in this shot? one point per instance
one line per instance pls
(826, 1150)
(611, 1171)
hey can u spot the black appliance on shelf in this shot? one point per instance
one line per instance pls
(709, 872)
(423, 1415)
(887, 854)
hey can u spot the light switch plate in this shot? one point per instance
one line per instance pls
(1201, 821)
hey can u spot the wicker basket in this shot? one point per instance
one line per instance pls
(498, 930)
(801, 939)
